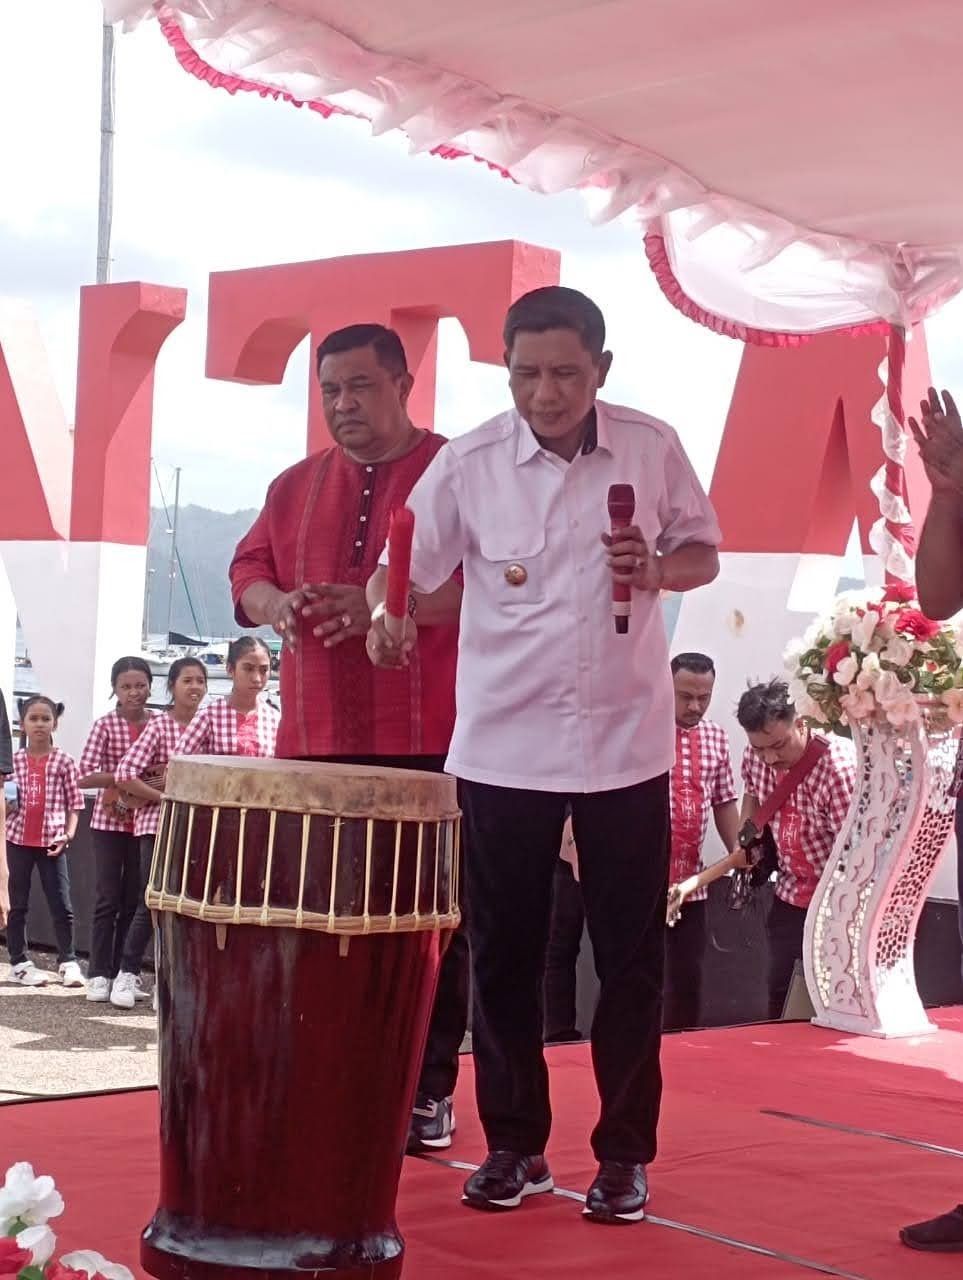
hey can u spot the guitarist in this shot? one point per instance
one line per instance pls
(805, 826)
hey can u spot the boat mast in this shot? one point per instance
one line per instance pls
(106, 201)
(173, 559)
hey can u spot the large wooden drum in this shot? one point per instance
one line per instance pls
(302, 911)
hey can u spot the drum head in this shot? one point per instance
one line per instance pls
(302, 786)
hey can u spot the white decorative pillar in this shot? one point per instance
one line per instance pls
(861, 924)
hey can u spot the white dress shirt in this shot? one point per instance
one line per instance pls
(548, 697)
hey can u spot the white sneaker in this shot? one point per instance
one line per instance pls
(28, 975)
(98, 990)
(139, 992)
(124, 991)
(70, 974)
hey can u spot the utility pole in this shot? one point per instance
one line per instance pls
(105, 207)
(173, 560)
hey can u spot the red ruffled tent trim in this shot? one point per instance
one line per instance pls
(194, 64)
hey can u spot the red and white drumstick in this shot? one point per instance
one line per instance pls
(401, 531)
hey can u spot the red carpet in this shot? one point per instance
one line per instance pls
(809, 1197)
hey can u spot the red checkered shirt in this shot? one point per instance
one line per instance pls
(701, 780)
(108, 742)
(149, 754)
(63, 794)
(216, 728)
(806, 826)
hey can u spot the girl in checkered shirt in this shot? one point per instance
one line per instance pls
(39, 832)
(141, 777)
(116, 849)
(243, 723)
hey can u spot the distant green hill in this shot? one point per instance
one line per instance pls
(202, 599)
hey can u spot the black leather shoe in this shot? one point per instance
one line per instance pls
(938, 1235)
(505, 1179)
(618, 1193)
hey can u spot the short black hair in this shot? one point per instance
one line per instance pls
(388, 347)
(181, 664)
(700, 664)
(555, 307)
(764, 702)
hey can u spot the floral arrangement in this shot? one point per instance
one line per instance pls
(876, 656)
(27, 1244)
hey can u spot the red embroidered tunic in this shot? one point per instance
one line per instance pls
(326, 520)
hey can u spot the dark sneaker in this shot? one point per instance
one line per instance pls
(618, 1193)
(938, 1235)
(432, 1124)
(505, 1179)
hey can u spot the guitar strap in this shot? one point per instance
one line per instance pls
(753, 828)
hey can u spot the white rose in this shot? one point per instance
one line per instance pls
(864, 629)
(95, 1263)
(843, 626)
(845, 673)
(898, 651)
(794, 651)
(30, 1199)
(41, 1242)
(870, 672)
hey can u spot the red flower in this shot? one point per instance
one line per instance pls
(12, 1258)
(59, 1271)
(899, 593)
(835, 654)
(912, 622)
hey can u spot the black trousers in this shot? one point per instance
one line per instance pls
(449, 1017)
(685, 949)
(22, 861)
(786, 925)
(141, 928)
(512, 840)
(564, 943)
(116, 885)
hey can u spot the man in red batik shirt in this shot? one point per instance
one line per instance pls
(805, 827)
(701, 783)
(302, 569)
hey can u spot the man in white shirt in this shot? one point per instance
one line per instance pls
(554, 708)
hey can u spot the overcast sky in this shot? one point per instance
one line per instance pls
(208, 182)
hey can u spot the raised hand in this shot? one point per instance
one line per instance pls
(939, 437)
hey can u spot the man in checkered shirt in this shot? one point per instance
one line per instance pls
(701, 784)
(805, 827)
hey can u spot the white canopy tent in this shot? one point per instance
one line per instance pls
(802, 164)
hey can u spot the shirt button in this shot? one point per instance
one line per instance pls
(369, 470)
(583, 666)
(363, 518)
(365, 493)
(358, 543)
(574, 524)
(584, 715)
(582, 617)
(580, 569)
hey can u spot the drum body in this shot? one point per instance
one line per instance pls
(302, 912)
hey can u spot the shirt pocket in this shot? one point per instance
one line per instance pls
(513, 565)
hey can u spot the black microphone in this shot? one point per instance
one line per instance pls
(621, 511)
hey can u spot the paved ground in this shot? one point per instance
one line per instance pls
(53, 1041)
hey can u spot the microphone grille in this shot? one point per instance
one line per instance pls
(621, 500)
